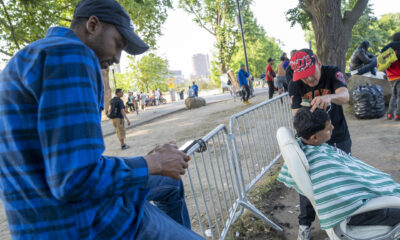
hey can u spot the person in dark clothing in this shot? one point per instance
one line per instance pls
(362, 60)
(289, 70)
(244, 78)
(269, 71)
(324, 87)
(117, 116)
(393, 75)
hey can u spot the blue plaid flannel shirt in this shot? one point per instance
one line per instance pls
(54, 181)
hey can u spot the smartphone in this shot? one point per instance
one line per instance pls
(185, 147)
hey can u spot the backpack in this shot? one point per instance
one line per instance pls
(386, 58)
(114, 105)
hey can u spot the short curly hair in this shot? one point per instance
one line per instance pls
(308, 123)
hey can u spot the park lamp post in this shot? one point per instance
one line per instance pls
(242, 31)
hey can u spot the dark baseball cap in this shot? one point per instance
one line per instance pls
(112, 12)
(303, 64)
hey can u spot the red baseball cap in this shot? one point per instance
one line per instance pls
(303, 64)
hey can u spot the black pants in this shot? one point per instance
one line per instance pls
(245, 92)
(370, 67)
(270, 89)
(307, 213)
(131, 107)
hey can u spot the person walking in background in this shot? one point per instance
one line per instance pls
(117, 115)
(190, 92)
(243, 78)
(130, 102)
(289, 70)
(281, 76)
(270, 74)
(143, 100)
(393, 75)
(157, 97)
(231, 88)
(195, 89)
(286, 62)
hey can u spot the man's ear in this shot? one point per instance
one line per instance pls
(93, 25)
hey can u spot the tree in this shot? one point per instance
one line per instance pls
(332, 29)
(144, 74)
(218, 18)
(25, 21)
(259, 46)
(387, 25)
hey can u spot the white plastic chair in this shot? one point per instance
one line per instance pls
(297, 165)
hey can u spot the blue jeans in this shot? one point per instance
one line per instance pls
(169, 219)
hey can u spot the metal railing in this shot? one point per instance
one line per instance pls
(226, 165)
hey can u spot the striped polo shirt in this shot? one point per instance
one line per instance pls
(341, 183)
(54, 181)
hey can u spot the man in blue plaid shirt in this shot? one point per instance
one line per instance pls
(54, 181)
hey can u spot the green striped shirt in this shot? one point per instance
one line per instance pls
(341, 183)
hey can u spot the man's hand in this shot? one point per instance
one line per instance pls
(129, 123)
(321, 102)
(167, 160)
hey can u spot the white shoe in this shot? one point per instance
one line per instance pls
(304, 233)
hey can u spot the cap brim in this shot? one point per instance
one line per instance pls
(135, 45)
(303, 74)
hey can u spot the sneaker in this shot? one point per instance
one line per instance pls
(389, 116)
(396, 117)
(304, 233)
(124, 147)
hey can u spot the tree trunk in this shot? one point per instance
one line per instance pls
(107, 89)
(332, 32)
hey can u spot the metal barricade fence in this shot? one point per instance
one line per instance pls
(225, 166)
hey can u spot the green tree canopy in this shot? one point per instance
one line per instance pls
(332, 22)
(259, 46)
(25, 21)
(218, 18)
(144, 73)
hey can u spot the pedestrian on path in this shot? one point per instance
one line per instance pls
(56, 183)
(157, 97)
(393, 75)
(281, 76)
(143, 100)
(243, 78)
(270, 74)
(130, 102)
(117, 115)
(195, 89)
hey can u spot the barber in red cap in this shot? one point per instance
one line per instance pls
(324, 87)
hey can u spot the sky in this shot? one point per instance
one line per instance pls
(182, 38)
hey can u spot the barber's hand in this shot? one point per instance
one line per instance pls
(167, 160)
(321, 102)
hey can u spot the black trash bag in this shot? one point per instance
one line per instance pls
(369, 102)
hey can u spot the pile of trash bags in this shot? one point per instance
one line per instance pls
(369, 102)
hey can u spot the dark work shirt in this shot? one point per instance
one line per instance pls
(119, 104)
(331, 79)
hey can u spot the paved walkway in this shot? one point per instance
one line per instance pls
(152, 113)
